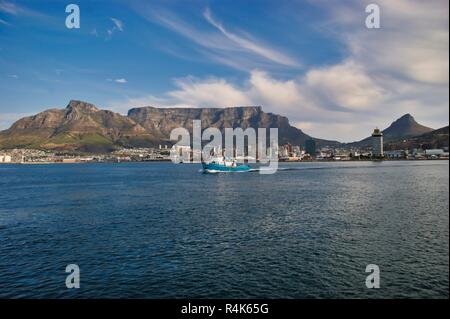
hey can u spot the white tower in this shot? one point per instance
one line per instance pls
(377, 143)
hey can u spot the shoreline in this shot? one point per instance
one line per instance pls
(167, 161)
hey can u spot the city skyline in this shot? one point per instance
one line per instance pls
(315, 63)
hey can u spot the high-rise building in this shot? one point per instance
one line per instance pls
(310, 147)
(289, 148)
(377, 143)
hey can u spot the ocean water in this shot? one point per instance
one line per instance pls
(160, 230)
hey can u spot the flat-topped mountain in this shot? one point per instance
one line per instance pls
(160, 121)
(82, 126)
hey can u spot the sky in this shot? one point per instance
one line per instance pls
(315, 62)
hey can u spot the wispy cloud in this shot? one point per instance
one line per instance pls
(120, 80)
(117, 23)
(12, 8)
(4, 22)
(219, 45)
(249, 44)
(94, 32)
(9, 7)
(13, 76)
(117, 26)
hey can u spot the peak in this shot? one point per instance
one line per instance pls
(405, 126)
(407, 116)
(406, 119)
(83, 106)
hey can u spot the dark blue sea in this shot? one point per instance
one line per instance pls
(160, 230)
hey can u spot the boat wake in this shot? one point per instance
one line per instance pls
(251, 170)
(310, 168)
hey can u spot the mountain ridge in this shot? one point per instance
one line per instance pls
(81, 126)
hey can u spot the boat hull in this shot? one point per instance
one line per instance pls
(217, 168)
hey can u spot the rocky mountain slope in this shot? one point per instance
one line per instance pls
(80, 126)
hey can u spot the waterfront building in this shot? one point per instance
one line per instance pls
(396, 154)
(436, 153)
(418, 153)
(284, 151)
(377, 143)
(355, 154)
(342, 156)
(289, 149)
(5, 159)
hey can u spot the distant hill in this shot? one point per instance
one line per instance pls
(404, 127)
(83, 127)
(435, 139)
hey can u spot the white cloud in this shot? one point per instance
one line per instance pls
(9, 7)
(339, 102)
(412, 42)
(206, 93)
(120, 80)
(4, 22)
(94, 32)
(118, 24)
(344, 85)
(13, 76)
(281, 96)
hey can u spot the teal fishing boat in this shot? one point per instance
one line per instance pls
(223, 165)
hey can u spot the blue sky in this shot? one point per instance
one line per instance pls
(313, 61)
